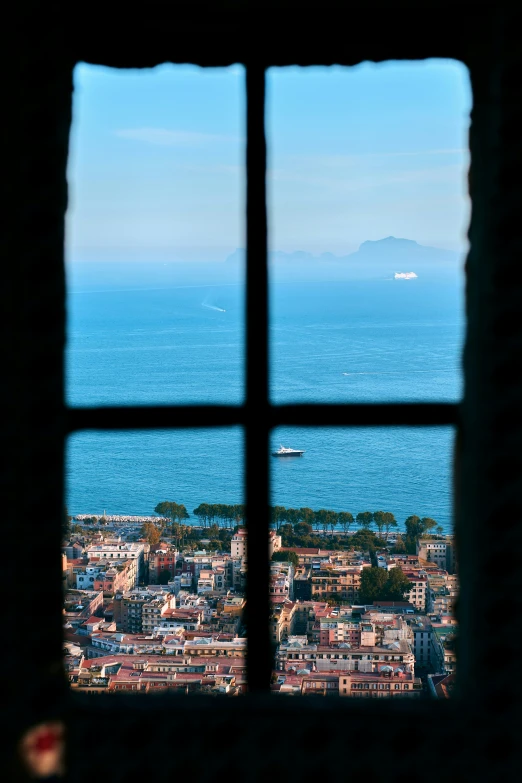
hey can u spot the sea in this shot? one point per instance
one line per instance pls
(156, 333)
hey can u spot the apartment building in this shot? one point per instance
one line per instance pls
(303, 583)
(443, 648)
(153, 610)
(296, 652)
(153, 672)
(238, 546)
(440, 551)
(442, 593)
(116, 549)
(282, 621)
(335, 629)
(205, 646)
(189, 618)
(281, 581)
(80, 605)
(239, 543)
(336, 582)
(417, 596)
(128, 607)
(116, 577)
(381, 685)
(422, 640)
(161, 563)
(103, 644)
(86, 574)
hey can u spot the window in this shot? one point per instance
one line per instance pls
(258, 431)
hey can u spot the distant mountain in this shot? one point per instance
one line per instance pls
(386, 252)
(401, 251)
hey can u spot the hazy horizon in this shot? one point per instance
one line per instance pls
(156, 165)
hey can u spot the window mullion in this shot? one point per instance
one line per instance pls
(257, 488)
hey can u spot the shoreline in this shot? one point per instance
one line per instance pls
(120, 520)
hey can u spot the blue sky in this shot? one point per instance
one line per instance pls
(156, 160)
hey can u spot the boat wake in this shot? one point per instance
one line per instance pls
(213, 307)
(393, 372)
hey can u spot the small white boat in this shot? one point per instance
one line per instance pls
(404, 275)
(282, 452)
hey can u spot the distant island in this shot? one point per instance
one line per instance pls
(379, 256)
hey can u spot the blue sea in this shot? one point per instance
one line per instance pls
(174, 333)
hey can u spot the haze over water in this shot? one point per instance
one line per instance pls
(173, 333)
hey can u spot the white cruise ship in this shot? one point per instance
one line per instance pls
(404, 275)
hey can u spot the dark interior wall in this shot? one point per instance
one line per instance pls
(254, 737)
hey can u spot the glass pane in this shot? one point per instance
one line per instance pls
(364, 578)
(154, 565)
(155, 289)
(368, 208)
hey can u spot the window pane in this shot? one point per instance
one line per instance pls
(155, 306)
(368, 211)
(364, 578)
(154, 565)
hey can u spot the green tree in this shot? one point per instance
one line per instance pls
(378, 519)
(440, 530)
(373, 585)
(164, 576)
(363, 539)
(303, 529)
(239, 514)
(345, 520)
(414, 527)
(214, 531)
(293, 516)
(221, 512)
(399, 548)
(176, 533)
(278, 515)
(151, 532)
(286, 531)
(414, 530)
(201, 512)
(333, 519)
(321, 519)
(286, 557)
(171, 510)
(307, 516)
(334, 599)
(365, 519)
(397, 585)
(428, 524)
(389, 523)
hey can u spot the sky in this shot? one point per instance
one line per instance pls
(156, 162)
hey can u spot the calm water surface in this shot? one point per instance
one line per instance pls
(175, 334)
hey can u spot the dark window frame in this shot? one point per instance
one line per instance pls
(258, 416)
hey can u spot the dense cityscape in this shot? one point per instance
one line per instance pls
(151, 603)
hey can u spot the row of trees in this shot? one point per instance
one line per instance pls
(382, 521)
(206, 513)
(307, 518)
